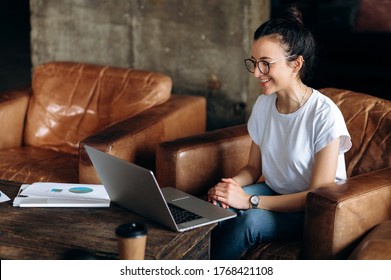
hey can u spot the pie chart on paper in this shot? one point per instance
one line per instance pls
(80, 190)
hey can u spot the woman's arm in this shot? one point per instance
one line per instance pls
(253, 170)
(230, 193)
(232, 187)
(323, 173)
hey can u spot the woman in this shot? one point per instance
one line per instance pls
(299, 138)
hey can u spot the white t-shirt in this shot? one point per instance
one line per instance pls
(289, 142)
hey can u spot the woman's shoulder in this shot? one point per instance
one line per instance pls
(323, 102)
(324, 107)
(265, 100)
(262, 107)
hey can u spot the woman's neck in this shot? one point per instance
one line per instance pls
(290, 101)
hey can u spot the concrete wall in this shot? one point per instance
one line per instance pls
(201, 44)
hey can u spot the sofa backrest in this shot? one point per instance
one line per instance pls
(368, 120)
(71, 101)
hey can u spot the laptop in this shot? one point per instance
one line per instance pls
(136, 189)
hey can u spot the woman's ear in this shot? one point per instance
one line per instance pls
(298, 63)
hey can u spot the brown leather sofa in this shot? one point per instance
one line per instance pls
(122, 111)
(337, 217)
(376, 245)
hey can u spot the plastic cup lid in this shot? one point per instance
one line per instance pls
(132, 229)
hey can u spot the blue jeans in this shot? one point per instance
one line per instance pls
(232, 237)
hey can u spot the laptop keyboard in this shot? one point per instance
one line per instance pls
(181, 215)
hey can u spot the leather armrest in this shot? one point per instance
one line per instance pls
(339, 215)
(194, 164)
(13, 107)
(136, 138)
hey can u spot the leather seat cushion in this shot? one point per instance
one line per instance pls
(376, 245)
(278, 250)
(29, 165)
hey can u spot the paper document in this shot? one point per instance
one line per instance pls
(3, 197)
(62, 195)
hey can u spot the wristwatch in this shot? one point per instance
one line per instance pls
(254, 201)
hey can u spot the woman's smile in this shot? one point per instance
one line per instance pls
(263, 82)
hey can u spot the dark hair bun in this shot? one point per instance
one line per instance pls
(291, 13)
(295, 13)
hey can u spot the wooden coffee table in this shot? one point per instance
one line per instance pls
(50, 233)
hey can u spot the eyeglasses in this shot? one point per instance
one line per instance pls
(263, 65)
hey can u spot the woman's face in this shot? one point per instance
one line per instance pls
(281, 74)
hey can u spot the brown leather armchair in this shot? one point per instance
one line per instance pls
(125, 112)
(337, 216)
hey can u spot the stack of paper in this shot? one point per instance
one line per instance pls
(62, 195)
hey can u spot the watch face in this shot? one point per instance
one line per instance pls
(254, 200)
